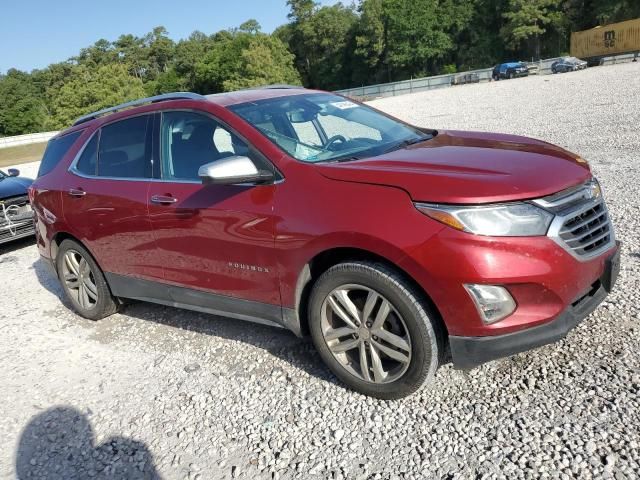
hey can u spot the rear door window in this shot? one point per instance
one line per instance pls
(88, 161)
(125, 148)
(57, 148)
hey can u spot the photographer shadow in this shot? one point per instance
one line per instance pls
(60, 444)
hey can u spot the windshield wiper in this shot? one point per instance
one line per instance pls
(349, 158)
(406, 143)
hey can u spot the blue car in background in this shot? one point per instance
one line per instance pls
(16, 218)
(509, 70)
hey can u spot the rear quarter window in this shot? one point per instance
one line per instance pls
(57, 148)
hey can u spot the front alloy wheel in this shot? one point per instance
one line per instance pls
(365, 334)
(374, 329)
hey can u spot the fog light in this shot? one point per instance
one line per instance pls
(493, 303)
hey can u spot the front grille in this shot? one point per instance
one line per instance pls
(16, 218)
(22, 230)
(587, 232)
(582, 225)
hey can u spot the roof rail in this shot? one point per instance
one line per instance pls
(135, 103)
(276, 87)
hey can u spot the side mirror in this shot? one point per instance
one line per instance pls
(13, 172)
(233, 171)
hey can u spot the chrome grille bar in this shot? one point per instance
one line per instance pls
(587, 221)
(582, 225)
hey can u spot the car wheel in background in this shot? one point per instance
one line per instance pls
(83, 282)
(374, 330)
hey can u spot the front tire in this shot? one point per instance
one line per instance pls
(83, 282)
(374, 330)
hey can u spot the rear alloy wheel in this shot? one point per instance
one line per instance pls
(83, 282)
(80, 282)
(373, 330)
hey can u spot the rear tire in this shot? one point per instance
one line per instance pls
(374, 330)
(83, 282)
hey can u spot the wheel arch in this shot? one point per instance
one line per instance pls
(326, 259)
(56, 241)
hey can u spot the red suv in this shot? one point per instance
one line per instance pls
(396, 248)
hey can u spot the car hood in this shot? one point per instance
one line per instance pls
(468, 167)
(14, 186)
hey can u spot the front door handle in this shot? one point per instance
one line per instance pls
(163, 199)
(77, 192)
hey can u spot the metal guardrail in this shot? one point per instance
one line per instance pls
(6, 142)
(542, 67)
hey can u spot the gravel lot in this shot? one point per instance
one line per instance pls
(159, 391)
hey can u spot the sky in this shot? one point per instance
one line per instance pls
(36, 33)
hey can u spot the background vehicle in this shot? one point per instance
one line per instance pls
(509, 70)
(16, 217)
(391, 245)
(568, 64)
(465, 78)
(606, 40)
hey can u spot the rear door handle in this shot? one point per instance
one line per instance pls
(77, 192)
(163, 199)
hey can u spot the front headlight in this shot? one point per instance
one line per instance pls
(503, 220)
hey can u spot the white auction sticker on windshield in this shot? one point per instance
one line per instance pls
(344, 105)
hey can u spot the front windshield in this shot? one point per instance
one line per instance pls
(322, 127)
(2, 174)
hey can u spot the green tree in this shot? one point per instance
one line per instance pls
(188, 53)
(21, 110)
(479, 43)
(319, 39)
(131, 51)
(609, 11)
(250, 26)
(528, 20)
(160, 51)
(100, 53)
(88, 90)
(399, 38)
(264, 61)
(239, 59)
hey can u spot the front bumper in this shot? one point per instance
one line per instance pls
(469, 352)
(15, 231)
(15, 224)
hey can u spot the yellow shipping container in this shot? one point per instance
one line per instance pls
(614, 39)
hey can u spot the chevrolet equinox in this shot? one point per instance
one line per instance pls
(395, 248)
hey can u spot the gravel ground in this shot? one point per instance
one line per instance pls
(159, 391)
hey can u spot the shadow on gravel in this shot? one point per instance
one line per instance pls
(47, 278)
(14, 245)
(60, 444)
(280, 343)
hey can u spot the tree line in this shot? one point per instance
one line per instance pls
(328, 47)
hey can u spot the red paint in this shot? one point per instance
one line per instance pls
(366, 204)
